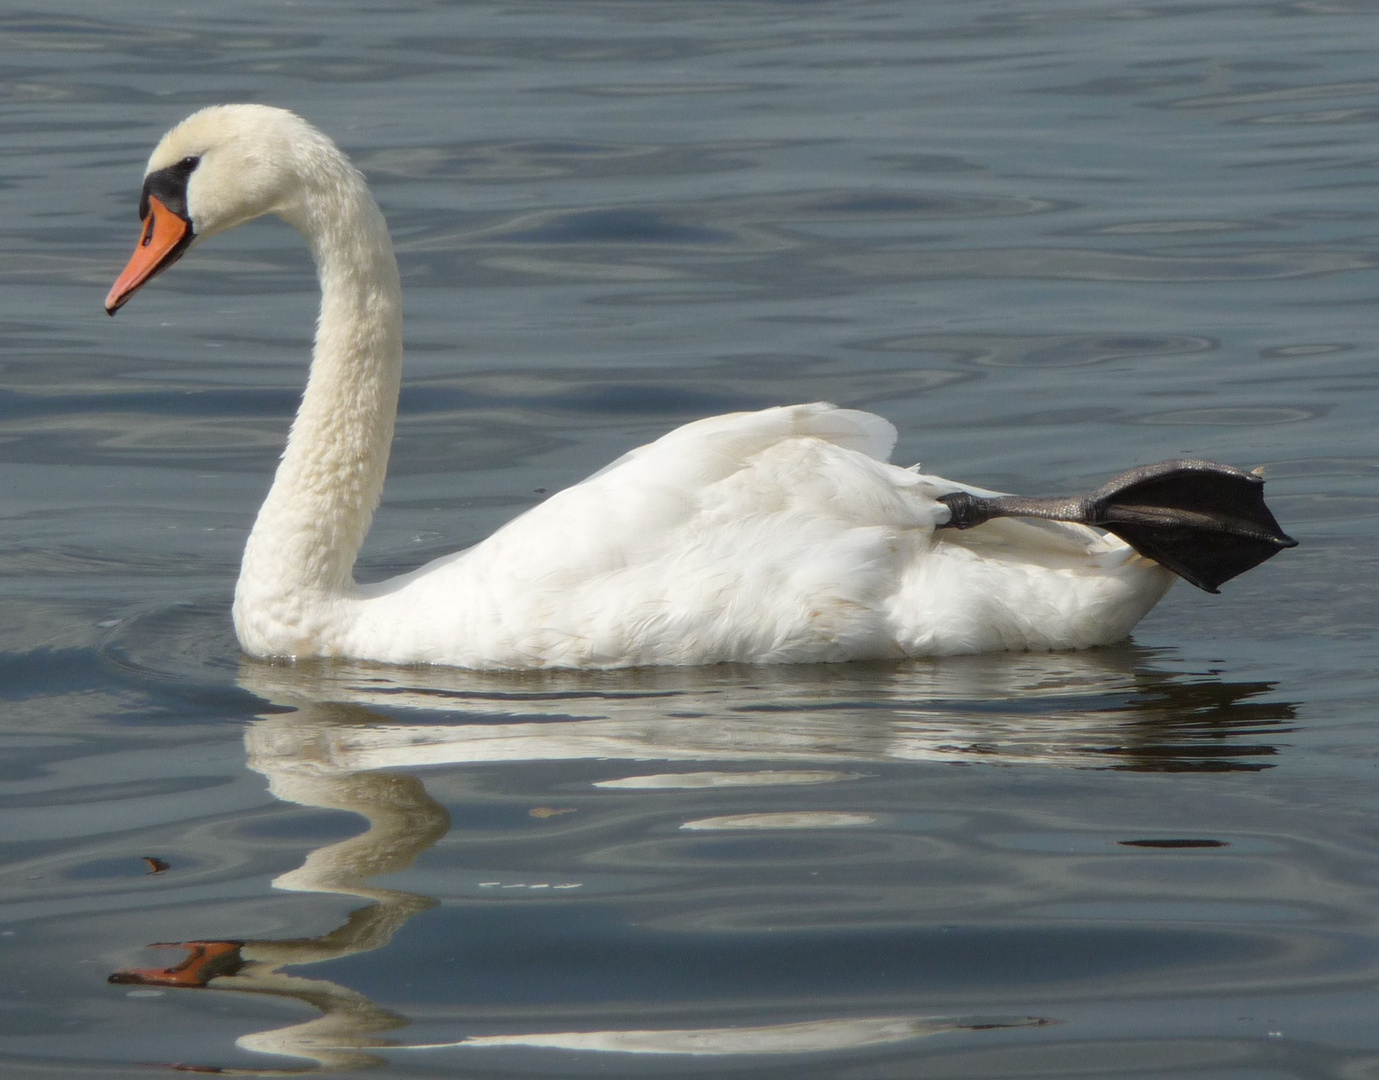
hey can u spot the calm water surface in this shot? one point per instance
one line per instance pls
(1048, 240)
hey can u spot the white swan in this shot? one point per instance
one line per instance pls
(775, 536)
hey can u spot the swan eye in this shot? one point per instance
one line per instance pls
(169, 185)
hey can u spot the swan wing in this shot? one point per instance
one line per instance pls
(726, 441)
(776, 536)
(712, 542)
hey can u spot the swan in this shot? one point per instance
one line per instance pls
(778, 536)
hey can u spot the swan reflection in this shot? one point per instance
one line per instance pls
(403, 821)
(1107, 708)
(809, 1036)
(337, 735)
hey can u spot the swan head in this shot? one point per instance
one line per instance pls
(220, 167)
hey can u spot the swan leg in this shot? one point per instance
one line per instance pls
(1205, 521)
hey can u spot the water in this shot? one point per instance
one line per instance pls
(1047, 240)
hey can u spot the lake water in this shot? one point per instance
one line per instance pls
(1049, 240)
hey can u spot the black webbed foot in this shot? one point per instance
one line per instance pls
(1205, 521)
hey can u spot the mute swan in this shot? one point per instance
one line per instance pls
(774, 536)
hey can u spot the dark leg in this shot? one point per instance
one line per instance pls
(1205, 521)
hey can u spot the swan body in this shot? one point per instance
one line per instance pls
(774, 536)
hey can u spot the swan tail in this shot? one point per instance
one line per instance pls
(1205, 521)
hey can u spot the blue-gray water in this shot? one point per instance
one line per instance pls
(1048, 240)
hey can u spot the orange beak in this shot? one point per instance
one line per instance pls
(203, 962)
(165, 236)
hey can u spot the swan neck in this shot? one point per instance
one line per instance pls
(308, 533)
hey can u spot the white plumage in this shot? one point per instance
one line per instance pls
(780, 536)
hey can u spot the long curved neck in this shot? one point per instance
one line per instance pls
(308, 533)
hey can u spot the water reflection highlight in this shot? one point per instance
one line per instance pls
(336, 735)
